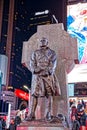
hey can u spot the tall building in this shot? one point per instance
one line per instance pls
(19, 20)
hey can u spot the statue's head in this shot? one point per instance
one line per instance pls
(43, 42)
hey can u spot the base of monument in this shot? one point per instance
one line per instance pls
(40, 128)
(40, 125)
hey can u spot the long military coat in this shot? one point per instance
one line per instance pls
(43, 65)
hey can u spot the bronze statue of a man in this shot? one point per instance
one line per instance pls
(44, 81)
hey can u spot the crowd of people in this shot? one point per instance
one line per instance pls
(78, 116)
(2, 123)
(14, 122)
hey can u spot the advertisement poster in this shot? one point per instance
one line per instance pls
(77, 27)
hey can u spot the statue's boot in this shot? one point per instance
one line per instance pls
(33, 108)
(49, 113)
(49, 116)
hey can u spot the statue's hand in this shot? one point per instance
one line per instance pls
(37, 71)
(44, 73)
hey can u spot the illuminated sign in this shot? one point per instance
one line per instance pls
(77, 27)
(71, 89)
(21, 94)
(43, 12)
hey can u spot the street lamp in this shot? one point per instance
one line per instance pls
(0, 83)
(29, 91)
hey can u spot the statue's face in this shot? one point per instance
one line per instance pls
(43, 42)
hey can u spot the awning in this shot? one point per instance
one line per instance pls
(78, 74)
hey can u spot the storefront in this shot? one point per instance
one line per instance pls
(77, 92)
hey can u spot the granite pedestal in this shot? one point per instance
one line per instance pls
(40, 125)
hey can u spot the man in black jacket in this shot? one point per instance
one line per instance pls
(75, 123)
(81, 117)
(12, 124)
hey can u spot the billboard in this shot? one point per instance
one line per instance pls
(21, 94)
(77, 27)
(3, 67)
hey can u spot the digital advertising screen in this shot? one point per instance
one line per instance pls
(77, 27)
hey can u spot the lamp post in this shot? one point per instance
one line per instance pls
(29, 91)
(0, 83)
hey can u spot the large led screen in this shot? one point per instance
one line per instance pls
(77, 27)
